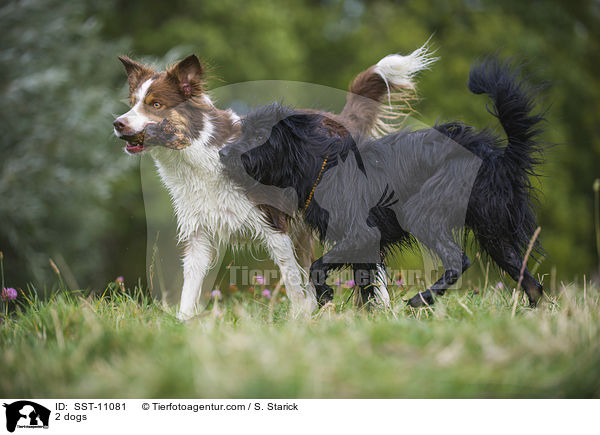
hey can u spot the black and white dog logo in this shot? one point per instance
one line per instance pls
(26, 414)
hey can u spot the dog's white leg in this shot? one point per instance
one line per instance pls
(382, 297)
(298, 288)
(196, 262)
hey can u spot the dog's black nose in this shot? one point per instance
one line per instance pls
(119, 126)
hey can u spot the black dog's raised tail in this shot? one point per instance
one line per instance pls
(513, 103)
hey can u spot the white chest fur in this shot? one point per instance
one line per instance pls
(203, 197)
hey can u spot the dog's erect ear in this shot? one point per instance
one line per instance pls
(294, 132)
(306, 118)
(135, 71)
(302, 125)
(188, 76)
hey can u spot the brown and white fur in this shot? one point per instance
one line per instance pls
(213, 210)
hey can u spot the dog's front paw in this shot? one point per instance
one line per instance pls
(534, 295)
(324, 294)
(184, 317)
(421, 299)
(303, 308)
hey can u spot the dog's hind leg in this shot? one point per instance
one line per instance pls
(510, 260)
(449, 278)
(298, 289)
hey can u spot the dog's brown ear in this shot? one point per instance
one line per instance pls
(135, 72)
(188, 76)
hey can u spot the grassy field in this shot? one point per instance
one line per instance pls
(118, 344)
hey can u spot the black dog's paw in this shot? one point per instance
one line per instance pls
(421, 299)
(533, 301)
(324, 294)
(534, 295)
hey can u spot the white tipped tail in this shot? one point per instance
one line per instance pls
(399, 71)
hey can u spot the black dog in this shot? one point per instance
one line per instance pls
(366, 197)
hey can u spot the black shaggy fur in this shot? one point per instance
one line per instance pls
(427, 184)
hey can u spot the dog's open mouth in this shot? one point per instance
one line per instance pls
(163, 134)
(134, 147)
(134, 143)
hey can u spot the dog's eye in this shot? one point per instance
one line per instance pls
(156, 105)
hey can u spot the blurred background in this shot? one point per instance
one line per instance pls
(68, 192)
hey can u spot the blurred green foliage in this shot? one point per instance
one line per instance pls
(58, 175)
(68, 192)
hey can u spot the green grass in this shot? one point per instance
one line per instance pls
(468, 345)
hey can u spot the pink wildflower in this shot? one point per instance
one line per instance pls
(9, 294)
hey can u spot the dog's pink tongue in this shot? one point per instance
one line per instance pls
(134, 148)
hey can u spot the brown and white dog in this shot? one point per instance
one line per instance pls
(210, 208)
